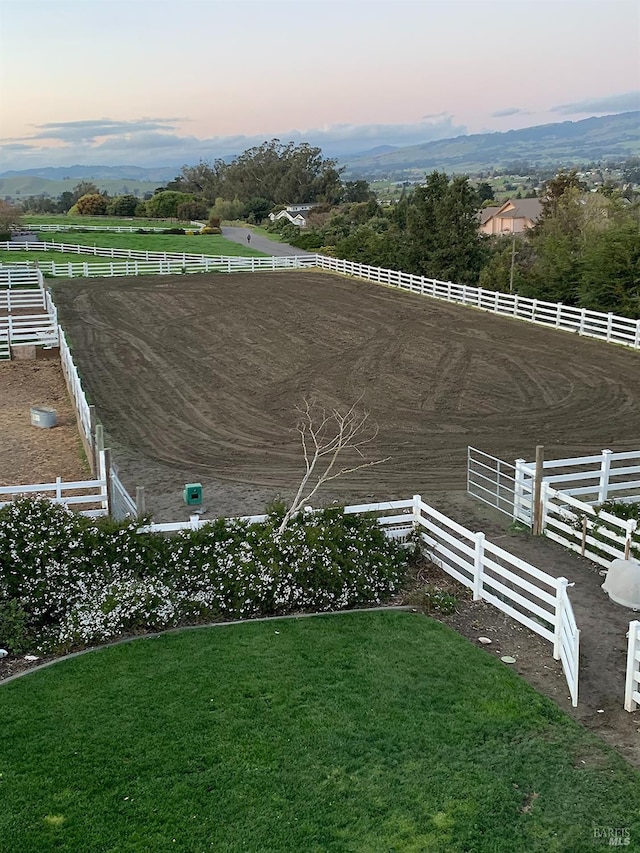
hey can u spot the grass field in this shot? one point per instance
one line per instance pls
(210, 244)
(363, 732)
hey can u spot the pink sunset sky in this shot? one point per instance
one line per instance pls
(149, 82)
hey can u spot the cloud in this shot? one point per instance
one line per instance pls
(509, 111)
(90, 130)
(154, 142)
(612, 104)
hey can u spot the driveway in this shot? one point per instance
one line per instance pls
(260, 243)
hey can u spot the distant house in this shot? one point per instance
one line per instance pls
(297, 214)
(512, 217)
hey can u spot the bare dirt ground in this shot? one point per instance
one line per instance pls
(29, 454)
(196, 380)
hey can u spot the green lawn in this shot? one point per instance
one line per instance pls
(198, 244)
(369, 732)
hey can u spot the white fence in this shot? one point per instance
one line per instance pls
(590, 532)
(20, 299)
(19, 276)
(76, 391)
(632, 683)
(36, 329)
(605, 476)
(91, 496)
(119, 229)
(532, 597)
(595, 324)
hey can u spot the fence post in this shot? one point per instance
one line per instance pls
(518, 491)
(141, 503)
(58, 489)
(537, 488)
(632, 523)
(417, 513)
(106, 456)
(478, 566)
(605, 468)
(633, 665)
(561, 593)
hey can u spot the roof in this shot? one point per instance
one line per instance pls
(486, 213)
(519, 208)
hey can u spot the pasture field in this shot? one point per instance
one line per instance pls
(196, 379)
(359, 732)
(196, 244)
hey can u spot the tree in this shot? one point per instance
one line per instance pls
(10, 218)
(65, 201)
(195, 208)
(442, 239)
(164, 204)
(325, 436)
(83, 188)
(122, 205)
(485, 192)
(281, 173)
(93, 204)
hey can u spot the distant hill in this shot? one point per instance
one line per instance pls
(561, 144)
(52, 181)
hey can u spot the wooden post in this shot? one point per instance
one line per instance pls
(537, 490)
(141, 503)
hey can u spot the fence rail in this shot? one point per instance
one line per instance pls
(595, 478)
(89, 494)
(632, 681)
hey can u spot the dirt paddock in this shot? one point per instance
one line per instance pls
(196, 379)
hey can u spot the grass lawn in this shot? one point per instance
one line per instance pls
(209, 244)
(63, 219)
(367, 732)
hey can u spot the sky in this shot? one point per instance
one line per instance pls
(172, 82)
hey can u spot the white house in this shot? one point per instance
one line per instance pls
(297, 214)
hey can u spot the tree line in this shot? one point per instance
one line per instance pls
(584, 251)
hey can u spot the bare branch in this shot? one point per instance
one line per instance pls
(324, 437)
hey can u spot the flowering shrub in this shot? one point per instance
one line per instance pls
(77, 581)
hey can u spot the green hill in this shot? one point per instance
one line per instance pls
(566, 143)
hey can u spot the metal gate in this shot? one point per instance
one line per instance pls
(508, 488)
(122, 504)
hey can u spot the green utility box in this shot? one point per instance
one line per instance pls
(192, 494)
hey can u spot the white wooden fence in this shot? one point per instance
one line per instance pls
(74, 385)
(118, 229)
(597, 535)
(91, 496)
(595, 324)
(532, 597)
(632, 682)
(595, 479)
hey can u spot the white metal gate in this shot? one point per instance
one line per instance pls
(508, 488)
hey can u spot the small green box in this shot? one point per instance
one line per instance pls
(192, 494)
